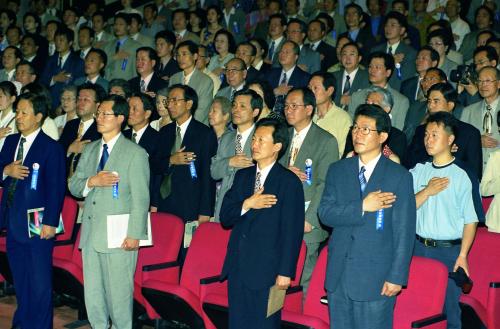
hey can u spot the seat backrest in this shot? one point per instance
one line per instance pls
(316, 290)
(167, 231)
(69, 213)
(205, 255)
(424, 296)
(484, 263)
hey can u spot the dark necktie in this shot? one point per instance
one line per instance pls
(143, 86)
(488, 120)
(283, 79)
(389, 50)
(166, 183)
(117, 48)
(104, 158)
(362, 179)
(13, 182)
(347, 85)
(134, 138)
(59, 62)
(271, 52)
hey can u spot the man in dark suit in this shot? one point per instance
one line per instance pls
(361, 35)
(30, 259)
(265, 208)
(467, 144)
(427, 57)
(166, 65)
(186, 190)
(369, 202)
(62, 67)
(236, 74)
(316, 31)
(404, 56)
(309, 60)
(147, 81)
(246, 51)
(83, 130)
(140, 132)
(30, 47)
(352, 78)
(288, 76)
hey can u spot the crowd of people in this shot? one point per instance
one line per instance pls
(385, 115)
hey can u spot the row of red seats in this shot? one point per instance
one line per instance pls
(193, 294)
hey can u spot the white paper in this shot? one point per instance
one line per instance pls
(117, 231)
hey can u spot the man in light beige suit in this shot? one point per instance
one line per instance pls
(109, 272)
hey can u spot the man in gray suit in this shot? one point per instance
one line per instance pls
(310, 146)
(309, 60)
(380, 69)
(135, 32)
(187, 55)
(113, 176)
(236, 73)
(121, 51)
(234, 150)
(484, 115)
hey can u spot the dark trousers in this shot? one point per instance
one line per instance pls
(448, 257)
(31, 266)
(248, 307)
(346, 313)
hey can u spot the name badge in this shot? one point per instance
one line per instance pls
(34, 176)
(192, 170)
(379, 226)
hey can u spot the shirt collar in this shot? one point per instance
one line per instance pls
(31, 137)
(393, 46)
(86, 125)
(139, 132)
(370, 166)
(351, 75)
(289, 72)
(302, 134)
(147, 79)
(111, 143)
(184, 126)
(494, 104)
(264, 172)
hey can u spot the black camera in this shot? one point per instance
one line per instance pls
(464, 74)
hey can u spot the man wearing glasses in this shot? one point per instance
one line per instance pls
(369, 202)
(236, 74)
(187, 189)
(113, 176)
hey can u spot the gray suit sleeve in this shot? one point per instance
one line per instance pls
(78, 181)
(139, 189)
(205, 96)
(219, 167)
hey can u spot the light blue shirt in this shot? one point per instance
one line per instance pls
(443, 216)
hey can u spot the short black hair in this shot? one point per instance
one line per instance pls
(388, 60)
(302, 24)
(99, 91)
(38, 102)
(182, 11)
(166, 35)
(17, 51)
(91, 31)
(296, 47)
(153, 7)
(28, 64)
(256, 101)
(136, 17)
(281, 17)
(37, 19)
(189, 95)
(488, 10)
(120, 107)
(192, 47)
(104, 58)
(148, 103)
(355, 6)
(445, 119)
(449, 93)
(328, 19)
(125, 17)
(327, 79)
(102, 14)
(434, 53)
(381, 117)
(440, 73)
(280, 133)
(32, 36)
(352, 44)
(8, 88)
(248, 44)
(399, 17)
(263, 45)
(269, 98)
(308, 97)
(65, 32)
(403, 2)
(40, 90)
(491, 52)
(151, 53)
(322, 25)
(122, 84)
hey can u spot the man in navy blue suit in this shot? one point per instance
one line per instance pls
(25, 188)
(369, 202)
(265, 208)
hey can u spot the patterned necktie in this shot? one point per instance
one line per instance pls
(270, 54)
(238, 147)
(362, 179)
(487, 120)
(12, 186)
(257, 185)
(185, 80)
(178, 139)
(79, 135)
(293, 150)
(104, 158)
(134, 138)
(143, 86)
(283, 79)
(347, 85)
(232, 94)
(82, 55)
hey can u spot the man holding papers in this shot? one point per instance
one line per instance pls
(265, 208)
(33, 167)
(113, 176)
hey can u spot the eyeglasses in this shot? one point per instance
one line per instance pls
(486, 82)
(293, 107)
(104, 114)
(362, 130)
(174, 100)
(227, 71)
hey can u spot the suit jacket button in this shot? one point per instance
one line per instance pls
(352, 238)
(244, 236)
(89, 217)
(93, 202)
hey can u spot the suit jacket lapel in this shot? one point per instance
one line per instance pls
(377, 176)
(247, 148)
(35, 147)
(304, 152)
(116, 153)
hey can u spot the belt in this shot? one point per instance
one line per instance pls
(438, 243)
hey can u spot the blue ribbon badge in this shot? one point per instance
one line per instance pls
(379, 226)
(192, 170)
(34, 176)
(115, 187)
(308, 171)
(398, 71)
